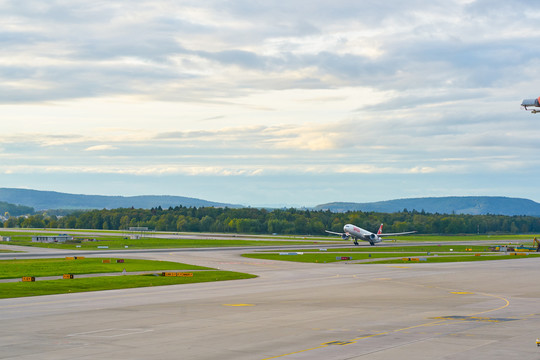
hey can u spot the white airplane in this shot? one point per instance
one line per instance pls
(358, 233)
(531, 102)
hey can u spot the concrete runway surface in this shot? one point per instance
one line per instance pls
(476, 310)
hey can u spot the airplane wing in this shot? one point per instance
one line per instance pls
(395, 234)
(335, 233)
(344, 236)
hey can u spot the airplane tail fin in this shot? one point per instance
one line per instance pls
(380, 230)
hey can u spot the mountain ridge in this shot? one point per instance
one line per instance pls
(472, 205)
(46, 200)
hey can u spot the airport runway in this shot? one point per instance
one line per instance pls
(477, 310)
(167, 235)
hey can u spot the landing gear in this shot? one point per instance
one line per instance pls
(355, 242)
(371, 243)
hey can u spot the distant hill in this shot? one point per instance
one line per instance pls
(474, 205)
(15, 210)
(44, 200)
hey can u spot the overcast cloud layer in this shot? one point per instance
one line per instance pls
(281, 103)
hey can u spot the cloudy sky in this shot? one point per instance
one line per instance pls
(284, 103)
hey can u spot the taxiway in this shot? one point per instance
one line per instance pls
(474, 310)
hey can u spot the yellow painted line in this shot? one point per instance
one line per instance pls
(433, 323)
(499, 308)
(369, 336)
(461, 292)
(477, 318)
(296, 352)
(421, 325)
(398, 267)
(238, 305)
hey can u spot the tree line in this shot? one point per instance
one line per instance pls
(279, 221)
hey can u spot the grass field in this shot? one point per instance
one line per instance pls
(49, 287)
(431, 253)
(463, 237)
(325, 258)
(10, 269)
(457, 258)
(397, 248)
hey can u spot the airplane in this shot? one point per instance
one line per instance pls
(358, 233)
(531, 102)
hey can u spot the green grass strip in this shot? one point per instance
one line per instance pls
(443, 238)
(446, 259)
(323, 257)
(399, 248)
(329, 258)
(10, 269)
(50, 287)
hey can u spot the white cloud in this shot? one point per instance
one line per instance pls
(260, 89)
(100, 148)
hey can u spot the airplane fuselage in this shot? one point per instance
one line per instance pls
(357, 233)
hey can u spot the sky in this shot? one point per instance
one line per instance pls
(271, 103)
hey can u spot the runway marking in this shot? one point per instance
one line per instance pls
(238, 305)
(499, 308)
(110, 333)
(439, 321)
(296, 352)
(461, 292)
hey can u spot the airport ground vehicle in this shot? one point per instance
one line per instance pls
(535, 247)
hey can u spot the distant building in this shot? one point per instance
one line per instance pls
(52, 239)
(141, 230)
(138, 228)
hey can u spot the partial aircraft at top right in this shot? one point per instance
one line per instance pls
(531, 102)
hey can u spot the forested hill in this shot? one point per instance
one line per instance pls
(472, 205)
(14, 210)
(44, 200)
